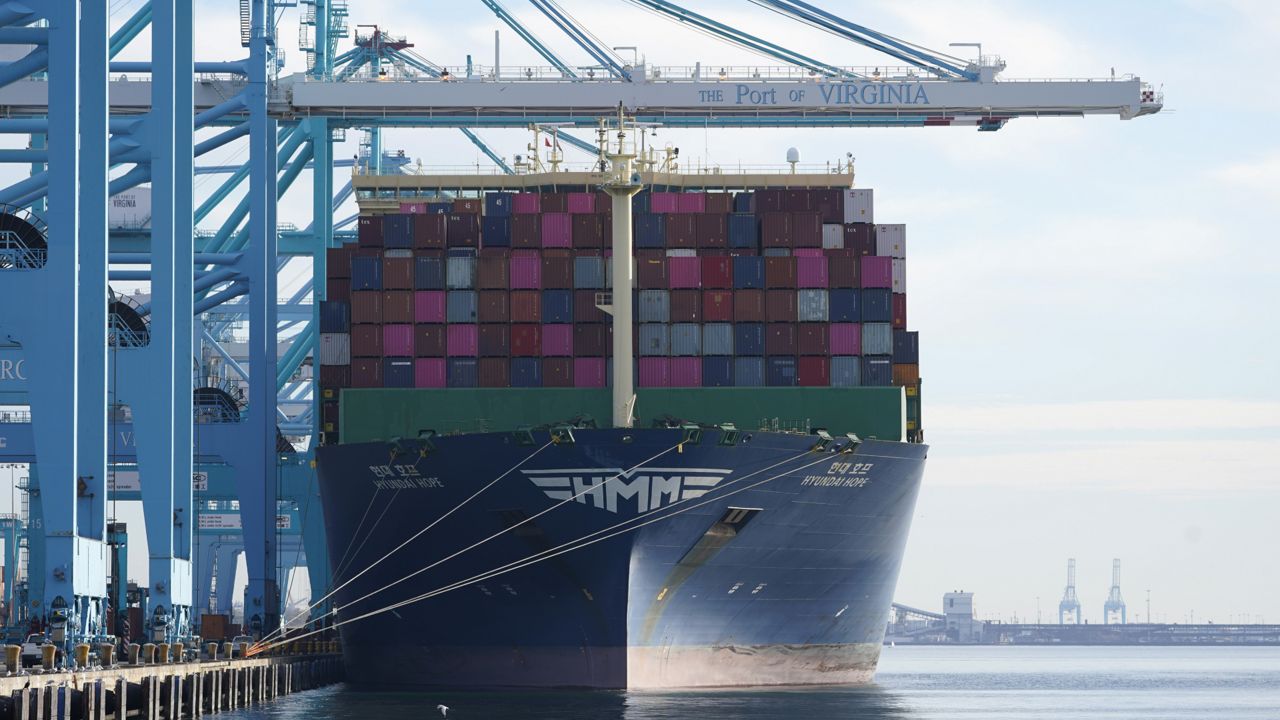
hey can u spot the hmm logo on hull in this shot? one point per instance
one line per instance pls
(648, 488)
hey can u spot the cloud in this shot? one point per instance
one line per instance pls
(1108, 416)
(1260, 175)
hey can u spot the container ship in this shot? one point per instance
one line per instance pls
(624, 429)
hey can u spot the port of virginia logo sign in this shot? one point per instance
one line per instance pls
(644, 488)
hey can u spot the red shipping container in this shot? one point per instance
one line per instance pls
(691, 202)
(794, 199)
(846, 339)
(808, 252)
(526, 204)
(717, 305)
(466, 205)
(526, 231)
(780, 272)
(655, 372)
(492, 272)
(780, 305)
(398, 306)
(842, 272)
(604, 203)
(338, 289)
(582, 203)
(554, 202)
(429, 373)
(526, 270)
(430, 231)
(557, 271)
(588, 372)
(682, 231)
(366, 372)
(860, 238)
(526, 306)
(397, 273)
(557, 372)
(588, 231)
(461, 340)
(557, 340)
(366, 306)
(686, 305)
(876, 272)
(686, 372)
(651, 273)
(899, 311)
(775, 229)
(428, 306)
(369, 234)
(663, 202)
(493, 307)
(335, 376)
(719, 203)
(366, 341)
(584, 307)
(768, 200)
(813, 339)
(813, 372)
(684, 272)
(557, 230)
(748, 306)
(712, 231)
(811, 272)
(806, 230)
(338, 261)
(397, 340)
(428, 341)
(717, 272)
(494, 341)
(589, 340)
(462, 230)
(829, 204)
(526, 340)
(493, 372)
(780, 338)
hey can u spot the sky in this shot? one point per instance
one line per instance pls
(1095, 297)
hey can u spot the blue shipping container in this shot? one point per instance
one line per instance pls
(780, 371)
(640, 202)
(717, 372)
(744, 202)
(877, 338)
(651, 230)
(428, 273)
(461, 372)
(460, 306)
(717, 339)
(876, 304)
(366, 273)
(686, 339)
(439, 208)
(748, 372)
(335, 316)
(397, 372)
(460, 273)
(843, 305)
(748, 338)
(906, 346)
(557, 306)
(497, 204)
(397, 232)
(846, 371)
(744, 231)
(526, 372)
(653, 306)
(655, 339)
(495, 231)
(748, 273)
(588, 272)
(877, 370)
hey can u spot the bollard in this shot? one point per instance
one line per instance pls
(135, 655)
(177, 652)
(13, 658)
(107, 655)
(148, 653)
(82, 655)
(243, 650)
(48, 655)
(162, 653)
(212, 650)
(228, 650)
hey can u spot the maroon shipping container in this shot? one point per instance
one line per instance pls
(397, 306)
(557, 372)
(768, 200)
(397, 273)
(806, 230)
(335, 376)
(366, 372)
(337, 289)
(813, 339)
(584, 307)
(557, 270)
(712, 230)
(430, 231)
(748, 306)
(780, 339)
(842, 272)
(813, 372)
(589, 372)
(494, 341)
(875, 272)
(467, 205)
(780, 305)
(780, 272)
(718, 203)
(717, 272)
(366, 306)
(682, 231)
(604, 203)
(526, 270)
(493, 306)
(582, 203)
(493, 372)
(686, 306)
(812, 272)
(492, 272)
(526, 231)
(797, 199)
(588, 231)
(428, 341)
(691, 202)
(684, 272)
(651, 273)
(717, 305)
(860, 238)
(557, 230)
(526, 306)
(829, 204)
(899, 311)
(366, 341)
(525, 203)
(369, 234)
(590, 340)
(557, 340)
(526, 340)
(338, 262)
(429, 373)
(462, 230)
(775, 229)
(554, 202)
(461, 340)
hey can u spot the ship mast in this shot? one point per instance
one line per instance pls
(623, 182)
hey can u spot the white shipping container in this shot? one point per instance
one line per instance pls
(682, 252)
(832, 236)
(899, 275)
(335, 349)
(130, 209)
(857, 206)
(891, 240)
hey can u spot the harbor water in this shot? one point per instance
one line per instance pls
(914, 683)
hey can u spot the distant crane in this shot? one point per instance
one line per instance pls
(1069, 608)
(1113, 611)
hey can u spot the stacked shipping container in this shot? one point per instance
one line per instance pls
(772, 287)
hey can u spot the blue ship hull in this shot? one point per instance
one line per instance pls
(764, 562)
